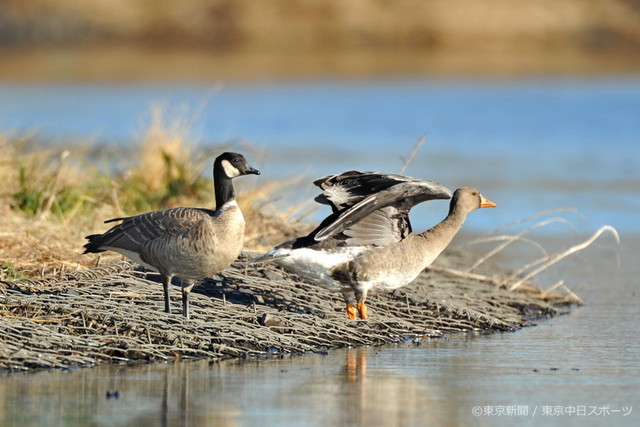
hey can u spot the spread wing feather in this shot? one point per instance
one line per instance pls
(400, 194)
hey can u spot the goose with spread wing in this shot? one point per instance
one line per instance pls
(367, 242)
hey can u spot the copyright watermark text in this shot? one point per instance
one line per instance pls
(550, 411)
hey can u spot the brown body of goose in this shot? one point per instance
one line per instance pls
(190, 243)
(367, 243)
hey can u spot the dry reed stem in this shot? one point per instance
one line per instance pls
(553, 287)
(464, 274)
(45, 210)
(548, 261)
(575, 297)
(510, 239)
(518, 278)
(499, 282)
(534, 216)
(412, 154)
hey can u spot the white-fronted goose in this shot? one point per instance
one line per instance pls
(190, 243)
(366, 243)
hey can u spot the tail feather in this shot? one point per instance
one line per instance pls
(94, 244)
(96, 241)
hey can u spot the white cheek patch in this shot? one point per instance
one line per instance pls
(230, 170)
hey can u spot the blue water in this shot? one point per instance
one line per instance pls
(529, 144)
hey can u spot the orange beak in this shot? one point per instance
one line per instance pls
(485, 203)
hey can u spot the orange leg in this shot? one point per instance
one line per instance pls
(351, 312)
(362, 310)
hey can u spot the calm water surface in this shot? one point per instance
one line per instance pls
(529, 145)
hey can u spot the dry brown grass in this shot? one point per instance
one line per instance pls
(52, 198)
(165, 146)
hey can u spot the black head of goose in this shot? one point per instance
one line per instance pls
(190, 243)
(367, 243)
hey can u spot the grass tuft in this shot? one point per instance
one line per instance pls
(8, 272)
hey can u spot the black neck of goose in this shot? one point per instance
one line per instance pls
(223, 187)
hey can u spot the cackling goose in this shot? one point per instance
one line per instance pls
(190, 243)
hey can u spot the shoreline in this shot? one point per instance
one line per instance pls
(112, 314)
(135, 64)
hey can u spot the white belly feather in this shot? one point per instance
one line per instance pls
(317, 265)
